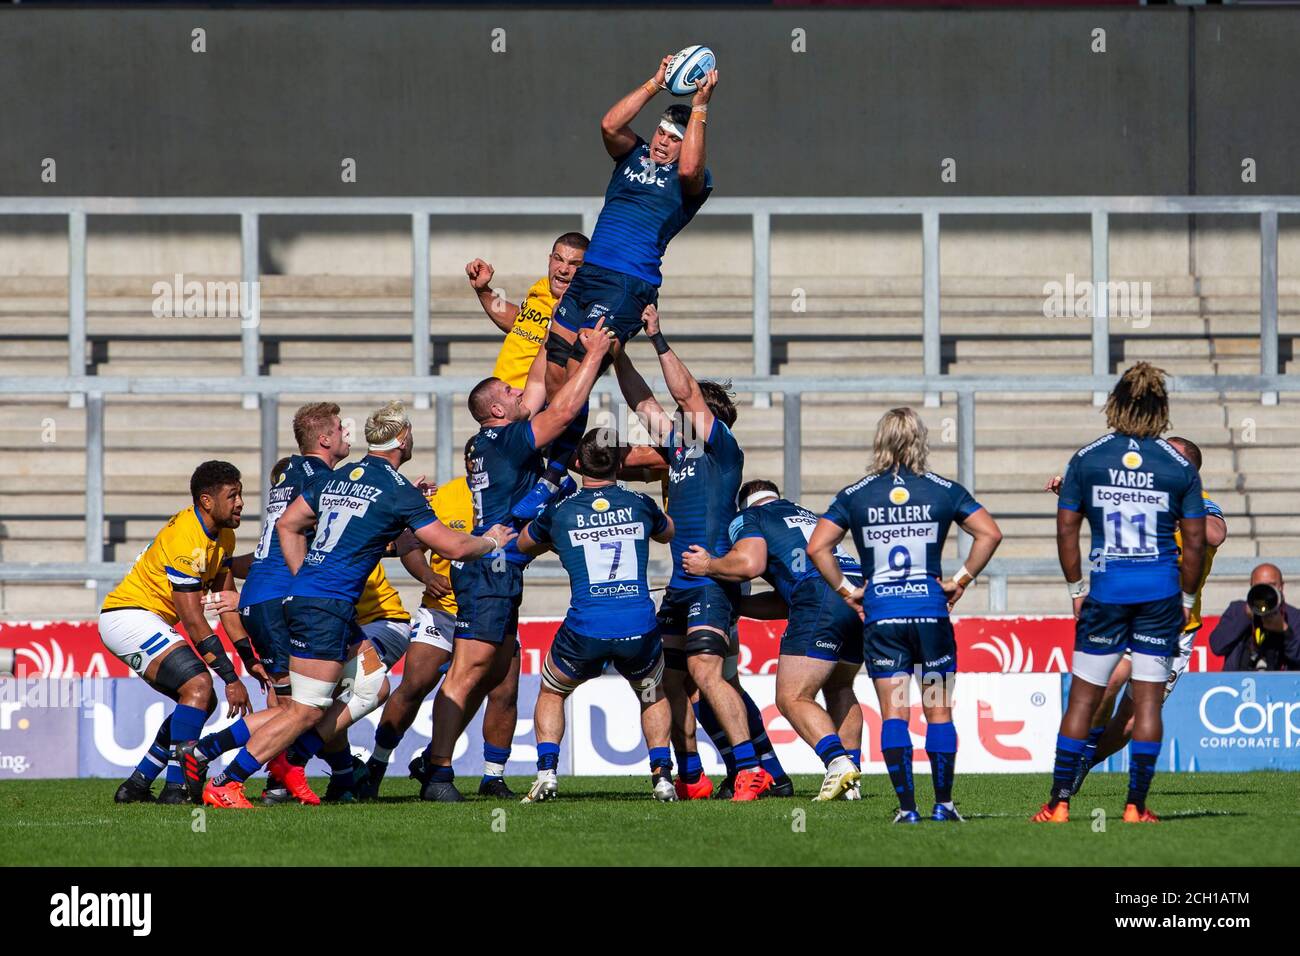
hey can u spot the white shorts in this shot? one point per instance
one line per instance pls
(1178, 663)
(433, 626)
(137, 637)
(390, 638)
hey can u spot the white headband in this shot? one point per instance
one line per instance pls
(668, 126)
(758, 496)
(392, 442)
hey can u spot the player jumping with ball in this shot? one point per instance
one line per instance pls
(655, 190)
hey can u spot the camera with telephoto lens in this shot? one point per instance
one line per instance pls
(1263, 599)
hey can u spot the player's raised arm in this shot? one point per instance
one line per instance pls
(614, 129)
(690, 167)
(501, 312)
(682, 385)
(550, 422)
(641, 399)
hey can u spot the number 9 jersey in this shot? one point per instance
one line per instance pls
(1133, 491)
(602, 536)
(899, 521)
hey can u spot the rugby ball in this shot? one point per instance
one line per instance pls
(687, 67)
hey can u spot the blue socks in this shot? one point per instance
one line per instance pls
(896, 745)
(187, 724)
(1142, 756)
(494, 761)
(705, 717)
(214, 745)
(340, 761)
(941, 745)
(548, 756)
(744, 756)
(659, 760)
(856, 757)
(1089, 757)
(1069, 756)
(691, 768)
(829, 748)
(158, 754)
(758, 734)
(386, 741)
(241, 768)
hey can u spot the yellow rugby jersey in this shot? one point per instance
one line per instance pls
(1194, 619)
(454, 506)
(380, 600)
(526, 337)
(183, 556)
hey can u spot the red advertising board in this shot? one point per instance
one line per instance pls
(984, 644)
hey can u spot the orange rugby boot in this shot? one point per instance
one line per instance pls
(1052, 814)
(295, 778)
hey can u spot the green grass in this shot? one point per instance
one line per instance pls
(1209, 819)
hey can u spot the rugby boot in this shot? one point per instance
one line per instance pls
(751, 783)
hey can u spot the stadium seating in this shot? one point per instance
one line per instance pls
(854, 325)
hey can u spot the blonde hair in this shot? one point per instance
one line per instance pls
(902, 441)
(386, 423)
(1139, 403)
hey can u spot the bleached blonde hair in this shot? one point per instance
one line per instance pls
(902, 440)
(386, 423)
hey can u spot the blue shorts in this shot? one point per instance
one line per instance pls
(707, 605)
(582, 658)
(899, 645)
(487, 599)
(321, 629)
(597, 293)
(821, 625)
(269, 630)
(1150, 627)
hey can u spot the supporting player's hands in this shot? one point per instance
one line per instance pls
(1078, 607)
(258, 672)
(237, 698)
(438, 586)
(597, 340)
(704, 87)
(426, 487)
(501, 534)
(1054, 485)
(650, 320)
(480, 274)
(696, 561)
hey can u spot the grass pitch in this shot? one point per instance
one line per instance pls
(1244, 819)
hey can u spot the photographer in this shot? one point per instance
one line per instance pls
(1262, 632)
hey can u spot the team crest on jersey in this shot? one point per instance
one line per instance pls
(600, 504)
(899, 495)
(356, 473)
(280, 480)
(1132, 459)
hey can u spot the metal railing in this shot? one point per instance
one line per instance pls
(446, 389)
(760, 211)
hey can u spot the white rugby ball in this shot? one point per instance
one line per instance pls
(687, 67)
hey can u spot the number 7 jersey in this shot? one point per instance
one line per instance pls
(602, 536)
(1133, 491)
(899, 521)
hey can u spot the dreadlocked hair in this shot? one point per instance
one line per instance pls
(1139, 403)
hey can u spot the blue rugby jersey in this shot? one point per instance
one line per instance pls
(703, 479)
(644, 208)
(899, 523)
(504, 464)
(602, 536)
(1133, 491)
(786, 528)
(268, 576)
(360, 508)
